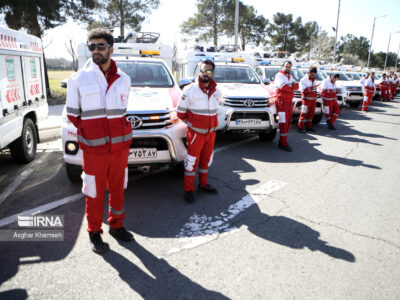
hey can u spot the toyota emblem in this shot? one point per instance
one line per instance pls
(249, 103)
(135, 121)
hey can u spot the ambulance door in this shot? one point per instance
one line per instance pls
(11, 85)
(34, 89)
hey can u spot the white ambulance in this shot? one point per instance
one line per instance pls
(23, 101)
(159, 137)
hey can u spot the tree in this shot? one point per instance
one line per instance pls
(208, 23)
(71, 50)
(305, 35)
(322, 46)
(284, 31)
(350, 44)
(252, 27)
(122, 13)
(36, 16)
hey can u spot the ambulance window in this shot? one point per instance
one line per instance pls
(151, 74)
(196, 71)
(229, 74)
(259, 72)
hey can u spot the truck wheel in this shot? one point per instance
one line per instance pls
(178, 169)
(317, 118)
(267, 136)
(23, 150)
(354, 104)
(73, 172)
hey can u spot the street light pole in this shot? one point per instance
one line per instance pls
(337, 29)
(397, 57)
(237, 23)
(387, 52)
(372, 36)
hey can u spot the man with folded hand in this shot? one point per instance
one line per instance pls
(285, 84)
(198, 109)
(308, 87)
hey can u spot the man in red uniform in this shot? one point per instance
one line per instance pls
(198, 108)
(96, 104)
(329, 96)
(384, 87)
(396, 83)
(285, 84)
(308, 89)
(369, 90)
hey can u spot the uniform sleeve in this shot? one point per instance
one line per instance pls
(73, 103)
(278, 83)
(295, 84)
(183, 104)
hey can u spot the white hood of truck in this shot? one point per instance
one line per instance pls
(242, 90)
(146, 98)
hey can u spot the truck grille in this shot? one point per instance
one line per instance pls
(148, 120)
(354, 88)
(250, 115)
(246, 102)
(156, 142)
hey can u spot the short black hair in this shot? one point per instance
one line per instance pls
(208, 62)
(287, 61)
(313, 70)
(101, 33)
(335, 75)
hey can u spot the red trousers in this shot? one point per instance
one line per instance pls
(394, 90)
(101, 171)
(307, 113)
(200, 152)
(284, 108)
(367, 100)
(385, 93)
(332, 110)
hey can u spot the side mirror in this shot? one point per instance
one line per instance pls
(63, 83)
(184, 82)
(266, 81)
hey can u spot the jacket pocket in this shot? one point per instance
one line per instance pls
(90, 97)
(89, 185)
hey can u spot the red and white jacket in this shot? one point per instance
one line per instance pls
(308, 88)
(285, 85)
(384, 83)
(97, 107)
(369, 85)
(198, 106)
(328, 90)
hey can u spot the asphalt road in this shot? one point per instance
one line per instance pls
(320, 222)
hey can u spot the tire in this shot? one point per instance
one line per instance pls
(267, 136)
(23, 150)
(317, 118)
(178, 169)
(354, 104)
(73, 173)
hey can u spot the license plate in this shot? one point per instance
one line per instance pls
(143, 153)
(248, 122)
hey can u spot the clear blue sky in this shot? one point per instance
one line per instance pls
(356, 17)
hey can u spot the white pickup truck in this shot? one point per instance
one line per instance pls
(23, 102)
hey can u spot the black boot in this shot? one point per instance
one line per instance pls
(189, 198)
(96, 242)
(285, 148)
(311, 129)
(121, 234)
(329, 124)
(301, 130)
(208, 189)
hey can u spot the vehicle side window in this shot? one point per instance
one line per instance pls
(196, 71)
(259, 72)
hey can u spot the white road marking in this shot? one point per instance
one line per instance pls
(203, 229)
(41, 209)
(25, 174)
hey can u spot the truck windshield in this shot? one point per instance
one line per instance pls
(342, 76)
(143, 73)
(271, 73)
(354, 76)
(230, 74)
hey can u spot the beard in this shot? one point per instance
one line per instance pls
(287, 71)
(101, 59)
(205, 79)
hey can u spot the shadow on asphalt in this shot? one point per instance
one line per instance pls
(168, 282)
(13, 255)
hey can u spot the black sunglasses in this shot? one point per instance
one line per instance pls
(100, 46)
